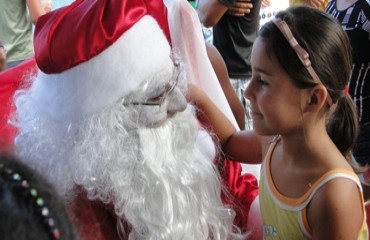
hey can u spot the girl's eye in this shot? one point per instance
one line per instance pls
(261, 81)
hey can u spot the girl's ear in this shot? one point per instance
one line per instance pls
(316, 98)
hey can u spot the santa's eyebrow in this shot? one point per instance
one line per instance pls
(155, 89)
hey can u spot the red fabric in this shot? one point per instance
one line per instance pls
(76, 33)
(93, 219)
(10, 81)
(243, 190)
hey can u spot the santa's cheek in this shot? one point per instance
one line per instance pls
(152, 116)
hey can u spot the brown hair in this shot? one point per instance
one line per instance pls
(330, 53)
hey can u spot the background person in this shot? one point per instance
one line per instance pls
(354, 16)
(30, 208)
(319, 4)
(16, 19)
(235, 25)
(2, 57)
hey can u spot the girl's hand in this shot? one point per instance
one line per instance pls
(194, 94)
(209, 114)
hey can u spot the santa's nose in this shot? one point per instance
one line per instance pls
(176, 102)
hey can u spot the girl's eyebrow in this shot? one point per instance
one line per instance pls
(261, 70)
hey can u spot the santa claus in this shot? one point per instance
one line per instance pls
(106, 121)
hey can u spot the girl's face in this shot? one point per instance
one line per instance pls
(275, 103)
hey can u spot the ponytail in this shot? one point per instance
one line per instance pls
(343, 127)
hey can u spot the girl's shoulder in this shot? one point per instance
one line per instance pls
(338, 196)
(267, 143)
(337, 188)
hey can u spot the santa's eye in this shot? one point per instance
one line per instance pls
(168, 89)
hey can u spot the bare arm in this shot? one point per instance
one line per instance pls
(246, 147)
(266, 3)
(2, 57)
(219, 66)
(240, 8)
(211, 11)
(336, 212)
(210, 115)
(242, 146)
(315, 3)
(36, 9)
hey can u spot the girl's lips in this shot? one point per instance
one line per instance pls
(255, 114)
(254, 111)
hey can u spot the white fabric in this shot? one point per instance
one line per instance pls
(105, 81)
(187, 38)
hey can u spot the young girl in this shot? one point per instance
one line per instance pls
(305, 126)
(30, 208)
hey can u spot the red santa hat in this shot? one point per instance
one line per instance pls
(94, 52)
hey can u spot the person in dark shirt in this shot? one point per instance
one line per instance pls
(235, 25)
(354, 17)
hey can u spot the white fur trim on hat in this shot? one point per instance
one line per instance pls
(141, 52)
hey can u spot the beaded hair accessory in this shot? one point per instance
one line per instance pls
(302, 54)
(30, 194)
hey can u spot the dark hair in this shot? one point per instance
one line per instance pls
(29, 206)
(330, 53)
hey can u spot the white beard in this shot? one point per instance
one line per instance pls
(162, 180)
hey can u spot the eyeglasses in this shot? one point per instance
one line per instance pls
(158, 101)
(302, 54)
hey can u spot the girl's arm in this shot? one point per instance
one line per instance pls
(336, 211)
(210, 115)
(242, 146)
(246, 147)
(219, 66)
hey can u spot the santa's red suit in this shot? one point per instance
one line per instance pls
(94, 219)
(10, 81)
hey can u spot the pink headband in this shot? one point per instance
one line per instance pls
(302, 54)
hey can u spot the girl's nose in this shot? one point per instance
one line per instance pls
(247, 91)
